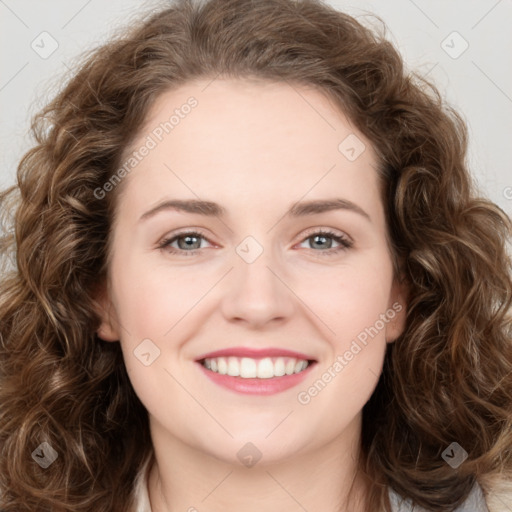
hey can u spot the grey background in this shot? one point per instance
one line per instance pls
(478, 82)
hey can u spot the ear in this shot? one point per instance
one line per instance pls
(397, 310)
(108, 328)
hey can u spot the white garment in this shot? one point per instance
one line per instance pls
(142, 503)
(475, 501)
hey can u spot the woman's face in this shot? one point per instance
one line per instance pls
(255, 275)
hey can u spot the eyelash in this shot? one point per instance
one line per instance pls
(344, 242)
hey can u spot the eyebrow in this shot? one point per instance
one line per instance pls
(209, 208)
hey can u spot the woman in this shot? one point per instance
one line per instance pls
(252, 272)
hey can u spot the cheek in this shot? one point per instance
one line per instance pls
(152, 300)
(154, 306)
(337, 395)
(348, 299)
(352, 304)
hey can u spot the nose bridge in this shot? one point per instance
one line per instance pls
(255, 293)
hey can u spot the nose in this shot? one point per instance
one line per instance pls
(256, 293)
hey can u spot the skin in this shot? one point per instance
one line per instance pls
(255, 148)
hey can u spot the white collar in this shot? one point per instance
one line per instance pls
(141, 494)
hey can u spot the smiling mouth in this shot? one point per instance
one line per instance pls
(250, 368)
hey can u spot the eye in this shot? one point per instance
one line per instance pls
(322, 239)
(189, 243)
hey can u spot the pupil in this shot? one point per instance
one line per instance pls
(189, 241)
(321, 237)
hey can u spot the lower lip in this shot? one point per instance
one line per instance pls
(258, 386)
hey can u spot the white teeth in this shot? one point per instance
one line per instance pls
(233, 367)
(279, 369)
(299, 366)
(223, 366)
(248, 368)
(290, 366)
(265, 368)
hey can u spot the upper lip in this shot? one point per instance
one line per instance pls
(255, 353)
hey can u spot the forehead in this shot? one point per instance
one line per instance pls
(244, 138)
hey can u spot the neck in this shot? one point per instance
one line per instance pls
(325, 478)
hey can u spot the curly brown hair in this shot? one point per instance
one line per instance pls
(447, 378)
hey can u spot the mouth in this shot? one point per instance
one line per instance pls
(251, 368)
(256, 375)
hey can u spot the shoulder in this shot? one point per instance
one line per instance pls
(498, 492)
(475, 502)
